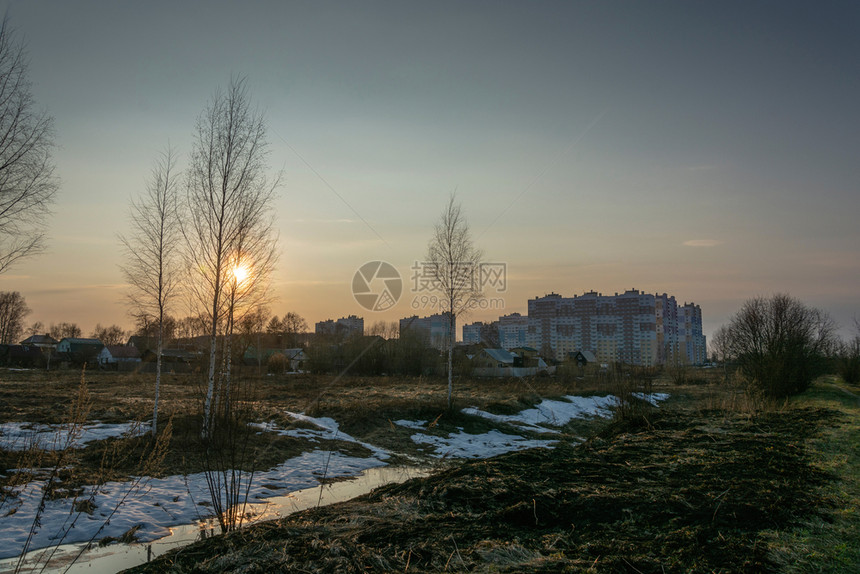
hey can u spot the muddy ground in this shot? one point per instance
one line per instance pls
(673, 491)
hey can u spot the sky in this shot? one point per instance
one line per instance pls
(708, 150)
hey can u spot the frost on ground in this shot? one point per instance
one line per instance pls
(21, 436)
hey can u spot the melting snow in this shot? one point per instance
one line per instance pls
(21, 436)
(464, 445)
(158, 503)
(327, 429)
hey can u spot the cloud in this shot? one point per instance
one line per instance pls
(702, 242)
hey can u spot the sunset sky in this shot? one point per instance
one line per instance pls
(710, 150)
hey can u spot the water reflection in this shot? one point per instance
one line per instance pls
(115, 557)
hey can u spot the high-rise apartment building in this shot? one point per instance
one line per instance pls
(631, 327)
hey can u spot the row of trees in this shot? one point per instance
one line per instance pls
(410, 354)
(14, 309)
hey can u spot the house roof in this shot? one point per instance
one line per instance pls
(587, 355)
(78, 341)
(180, 354)
(141, 341)
(123, 352)
(39, 340)
(500, 355)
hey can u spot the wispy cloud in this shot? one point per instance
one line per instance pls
(71, 289)
(702, 242)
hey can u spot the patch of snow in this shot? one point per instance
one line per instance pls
(21, 436)
(327, 429)
(652, 398)
(155, 503)
(464, 445)
(417, 425)
(553, 413)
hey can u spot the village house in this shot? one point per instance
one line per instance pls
(119, 357)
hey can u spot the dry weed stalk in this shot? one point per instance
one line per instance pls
(64, 459)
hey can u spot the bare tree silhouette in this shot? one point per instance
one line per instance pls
(27, 183)
(229, 225)
(454, 264)
(151, 264)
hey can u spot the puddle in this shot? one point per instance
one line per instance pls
(116, 557)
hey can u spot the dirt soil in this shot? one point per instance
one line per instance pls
(678, 491)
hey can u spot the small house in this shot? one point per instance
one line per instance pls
(120, 357)
(79, 351)
(40, 342)
(297, 358)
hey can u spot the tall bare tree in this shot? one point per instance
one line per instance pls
(13, 309)
(152, 264)
(27, 183)
(453, 266)
(229, 227)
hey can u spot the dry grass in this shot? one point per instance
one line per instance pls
(686, 493)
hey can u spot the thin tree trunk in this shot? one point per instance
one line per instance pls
(159, 347)
(210, 389)
(451, 361)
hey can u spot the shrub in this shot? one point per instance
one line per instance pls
(780, 344)
(278, 363)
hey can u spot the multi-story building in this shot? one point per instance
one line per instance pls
(631, 327)
(435, 328)
(509, 332)
(513, 331)
(479, 332)
(345, 326)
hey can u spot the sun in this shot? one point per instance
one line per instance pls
(240, 273)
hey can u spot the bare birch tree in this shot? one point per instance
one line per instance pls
(453, 266)
(27, 183)
(228, 230)
(152, 265)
